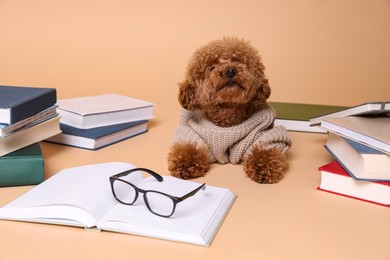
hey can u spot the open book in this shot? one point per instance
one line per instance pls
(82, 196)
(371, 108)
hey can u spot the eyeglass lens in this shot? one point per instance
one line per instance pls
(157, 203)
(124, 192)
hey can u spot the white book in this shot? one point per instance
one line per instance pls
(371, 131)
(29, 135)
(82, 196)
(28, 122)
(103, 110)
(371, 108)
(360, 161)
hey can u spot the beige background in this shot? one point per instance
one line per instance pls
(329, 52)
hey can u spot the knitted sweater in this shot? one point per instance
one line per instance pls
(232, 144)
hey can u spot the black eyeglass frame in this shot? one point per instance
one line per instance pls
(158, 177)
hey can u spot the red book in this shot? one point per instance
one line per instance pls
(336, 180)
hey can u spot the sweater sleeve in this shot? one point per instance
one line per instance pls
(184, 133)
(276, 137)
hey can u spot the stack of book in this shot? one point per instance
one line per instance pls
(296, 116)
(94, 122)
(27, 116)
(360, 146)
(302, 117)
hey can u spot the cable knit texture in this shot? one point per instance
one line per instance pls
(232, 144)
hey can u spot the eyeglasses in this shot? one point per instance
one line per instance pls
(159, 203)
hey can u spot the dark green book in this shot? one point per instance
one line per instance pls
(296, 116)
(22, 167)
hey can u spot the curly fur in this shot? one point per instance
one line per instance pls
(226, 101)
(225, 80)
(187, 161)
(270, 162)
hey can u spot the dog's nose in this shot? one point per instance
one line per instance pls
(230, 73)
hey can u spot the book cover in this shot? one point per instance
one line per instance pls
(371, 131)
(336, 180)
(22, 167)
(30, 135)
(18, 103)
(68, 198)
(296, 116)
(371, 108)
(360, 161)
(97, 138)
(103, 110)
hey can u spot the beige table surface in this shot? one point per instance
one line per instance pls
(323, 52)
(289, 220)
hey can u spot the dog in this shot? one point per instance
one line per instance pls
(226, 117)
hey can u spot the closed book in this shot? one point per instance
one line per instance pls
(18, 103)
(371, 131)
(336, 180)
(96, 138)
(359, 160)
(82, 196)
(370, 108)
(30, 135)
(28, 122)
(22, 167)
(103, 110)
(296, 116)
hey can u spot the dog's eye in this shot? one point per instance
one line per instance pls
(211, 68)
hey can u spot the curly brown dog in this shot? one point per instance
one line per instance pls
(226, 117)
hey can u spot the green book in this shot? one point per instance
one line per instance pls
(296, 116)
(22, 167)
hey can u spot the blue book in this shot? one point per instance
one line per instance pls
(361, 161)
(96, 138)
(19, 103)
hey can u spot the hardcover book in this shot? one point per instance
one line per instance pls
(30, 135)
(22, 167)
(360, 161)
(371, 131)
(18, 103)
(296, 116)
(28, 122)
(336, 180)
(372, 108)
(82, 196)
(103, 110)
(96, 138)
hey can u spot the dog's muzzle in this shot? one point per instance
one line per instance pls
(230, 73)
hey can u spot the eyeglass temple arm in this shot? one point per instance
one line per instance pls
(154, 174)
(192, 193)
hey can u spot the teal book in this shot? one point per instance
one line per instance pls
(22, 167)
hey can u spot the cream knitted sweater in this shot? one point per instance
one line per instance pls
(232, 144)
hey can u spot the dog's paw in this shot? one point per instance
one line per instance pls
(186, 161)
(265, 165)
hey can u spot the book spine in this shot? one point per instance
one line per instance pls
(21, 171)
(33, 105)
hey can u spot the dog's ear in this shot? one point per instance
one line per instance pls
(187, 97)
(264, 91)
